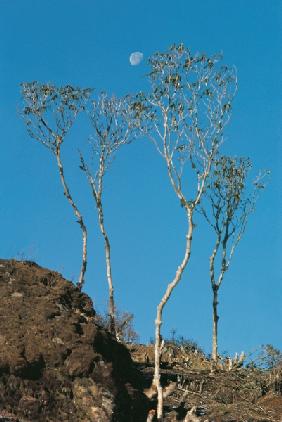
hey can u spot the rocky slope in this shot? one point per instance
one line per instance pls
(223, 394)
(56, 363)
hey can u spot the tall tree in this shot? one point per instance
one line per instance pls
(184, 114)
(49, 113)
(229, 203)
(111, 122)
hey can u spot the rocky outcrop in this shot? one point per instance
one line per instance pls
(56, 363)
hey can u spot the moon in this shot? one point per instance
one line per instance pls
(136, 58)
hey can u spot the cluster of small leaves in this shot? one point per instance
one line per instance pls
(111, 119)
(49, 111)
(188, 105)
(142, 113)
(227, 208)
(197, 93)
(226, 191)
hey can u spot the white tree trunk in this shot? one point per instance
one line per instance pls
(108, 268)
(160, 307)
(97, 190)
(79, 219)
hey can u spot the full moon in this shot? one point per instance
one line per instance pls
(136, 58)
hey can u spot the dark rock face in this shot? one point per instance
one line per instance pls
(56, 363)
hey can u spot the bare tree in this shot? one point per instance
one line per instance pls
(124, 326)
(229, 204)
(110, 118)
(49, 113)
(184, 115)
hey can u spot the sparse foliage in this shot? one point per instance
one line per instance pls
(184, 115)
(266, 357)
(49, 113)
(229, 204)
(110, 118)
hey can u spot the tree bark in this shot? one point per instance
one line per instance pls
(79, 218)
(215, 319)
(160, 307)
(108, 267)
(97, 195)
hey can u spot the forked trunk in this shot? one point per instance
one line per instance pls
(79, 219)
(97, 195)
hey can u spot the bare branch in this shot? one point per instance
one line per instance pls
(229, 203)
(185, 112)
(113, 127)
(49, 113)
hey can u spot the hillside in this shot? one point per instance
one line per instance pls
(58, 364)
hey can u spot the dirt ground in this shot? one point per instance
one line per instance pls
(58, 364)
(212, 395)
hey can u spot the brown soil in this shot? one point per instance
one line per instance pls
(56, 363)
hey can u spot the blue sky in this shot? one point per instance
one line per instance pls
(88, 43)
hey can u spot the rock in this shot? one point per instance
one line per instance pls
(56, 362)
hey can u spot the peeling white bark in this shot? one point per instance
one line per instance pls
(77, 214)
(63, 104)
(186, 126)
(108, 268)
(97, 190)
(158, 322)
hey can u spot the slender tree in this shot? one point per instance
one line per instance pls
(110, 119)
(49, 113)
(184, 115)
(229, 203)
